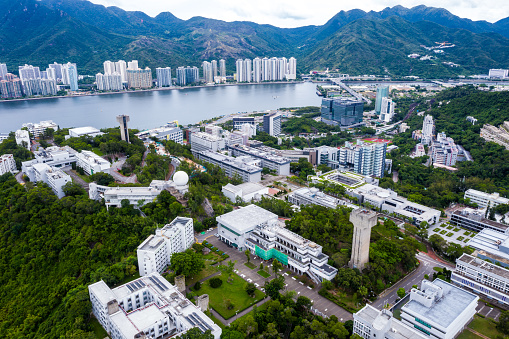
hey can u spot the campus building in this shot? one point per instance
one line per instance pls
(168, 132)
(247, 191)
(37, 129)
(83, 131)
(154, 254)
(491, 245)
(247, 168)
(113, 196)
(92, 163)
(52, 176)
(148, 307)
(313, 196)
(439, 309)
(238, 122)
(272, 123)
(483, 199)
(475, 220)
(498, 135)
(489, 281)
(201, 141)
(344, 112)
(271, 161)
(370, 323)
(7, 164)
(53, 156)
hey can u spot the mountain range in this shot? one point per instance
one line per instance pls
(355, 41)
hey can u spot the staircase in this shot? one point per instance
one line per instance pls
(313, 276)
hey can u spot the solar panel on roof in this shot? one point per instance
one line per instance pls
(130, 288)
(142, 283)
(138, 284)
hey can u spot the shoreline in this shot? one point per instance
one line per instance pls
(157, 89)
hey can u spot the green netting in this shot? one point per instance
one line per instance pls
(272, 253)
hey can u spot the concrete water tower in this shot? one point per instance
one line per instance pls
(363, 221)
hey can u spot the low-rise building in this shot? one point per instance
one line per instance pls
(268, 160)
(243, 167)
(38, 129)
(268, 240)
(370, 323)
(113, 196)
(483, 199)
(53, 156)
(83, 131)
(23, 138)
(443, 151)
(148, 307)
(206, 142)
(313, 196)
(247, 191)
(474, 220)
(238, 122)
(168, 132)
(491, 245)
(92, 163)
(154, 254)
(498, 135)
(233, 228)
(54, 177)
(477, 275)
(7, 164)
(439, 309)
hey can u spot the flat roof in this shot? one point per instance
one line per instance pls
(124, 324)
(246, 218)
(484, 265)
(250, 187)
(102, 292)
(146, 317)
(84, 130)
(445, 310)
(489, 240)
(469, 212)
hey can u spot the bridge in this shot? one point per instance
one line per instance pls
(337, 81)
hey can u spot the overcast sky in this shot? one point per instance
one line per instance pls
(294, 13)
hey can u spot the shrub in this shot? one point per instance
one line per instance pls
(197, 286)
(215, 282)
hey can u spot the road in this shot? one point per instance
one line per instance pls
(321, 304)
(115, 167)
(76, 178)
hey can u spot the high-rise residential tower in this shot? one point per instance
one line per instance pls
(239, 65)
(140, 78)
(124, 131)
(207, 72)
(109, 67)
(247, 70)
(381, 92)
(58, 70)
(180, 76)
(222, 68)
(70, 75)
(363, 221)
(132, 65)
(292, 69)
(163, 77)
(3, 71)
(29, 72)
(387, 110)
(121, 68)
(214, 68)
(257, 70)
(266, 69)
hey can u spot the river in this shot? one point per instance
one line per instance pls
(154, 108)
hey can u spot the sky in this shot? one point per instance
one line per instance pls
(295, 13)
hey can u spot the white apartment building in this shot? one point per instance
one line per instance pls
(387, 110)
(37, 129)
(498, 135)
(292, 69)
(206, 142)
(443, 151)
(272, 123)
(109, 82)
(168, 132)
(247, 168)
(83, 131)
(268, 160)
(247, 191)
(365, 158)
(439, 309)
(234, 227)
(482, 199)
(139, 78)
(268, 240)
(147, 308)
(21, 136)
(53, 156)
(154, 254)
(498, 73)
(163, 77)
(7, 164)
(92, 163)
(370, 323)
(428, 130)
(388, 200)
(489, 281)
(313, 196)
(52, 176)
(113, 196)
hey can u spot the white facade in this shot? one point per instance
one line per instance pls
(163, 77)
(206, 142)
(92, 163)
(439, 309)
(52, 176)
(234, 227)
(273, 162)
(490, 281)
(272, 124)
(387, 110)
(147, 308)
(82, 131)
(154, 254)
(7, 164)
(292, 69)
(222, 68)
(168, 132)
(366, 158)
(239, 66)
(498, 135)
(482, 199)
(313, 196)
(245, 168)
(247, 191)
(23, 136)
(121, 68)
(428, 129)
(443, 151)
(113, 196)
(109, 82)
(370, 323)
(37, 129)
(53, 156)
(498, 73)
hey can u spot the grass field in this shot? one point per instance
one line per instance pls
(234, 292)
(466, 334)
(263, 273)
(485, 326)
(99, 331)
(250, 265)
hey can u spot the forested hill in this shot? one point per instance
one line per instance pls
(356, 42)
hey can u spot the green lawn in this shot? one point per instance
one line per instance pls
(450, 234)
(234, 292)
(443, 232)
(466, 334)
(485, 326)
(208, 270)
(97, 151)
(449, 227)
(250, 265)
(99, 331)
(438, 269)
(263, 273)
(460, 238)
(466, 233)
(466, 240)
(456, 230)
(436, 229)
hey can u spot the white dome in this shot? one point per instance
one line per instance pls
(180, 178)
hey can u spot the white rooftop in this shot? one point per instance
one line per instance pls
(247, 218)
(84, 130)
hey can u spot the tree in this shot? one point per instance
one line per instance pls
(503, 322)
(303, 304)
(276, 267)
(229, 333)
(228, 270)
(401, 292)
(250, 289)
(273, 287)
(248, 255)
(215, 282)
(187, 263)
(195, 333)
(362, 291)
(72, 189)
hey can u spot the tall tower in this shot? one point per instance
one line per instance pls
(124, 131)
(381, 92)
(363, 221)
